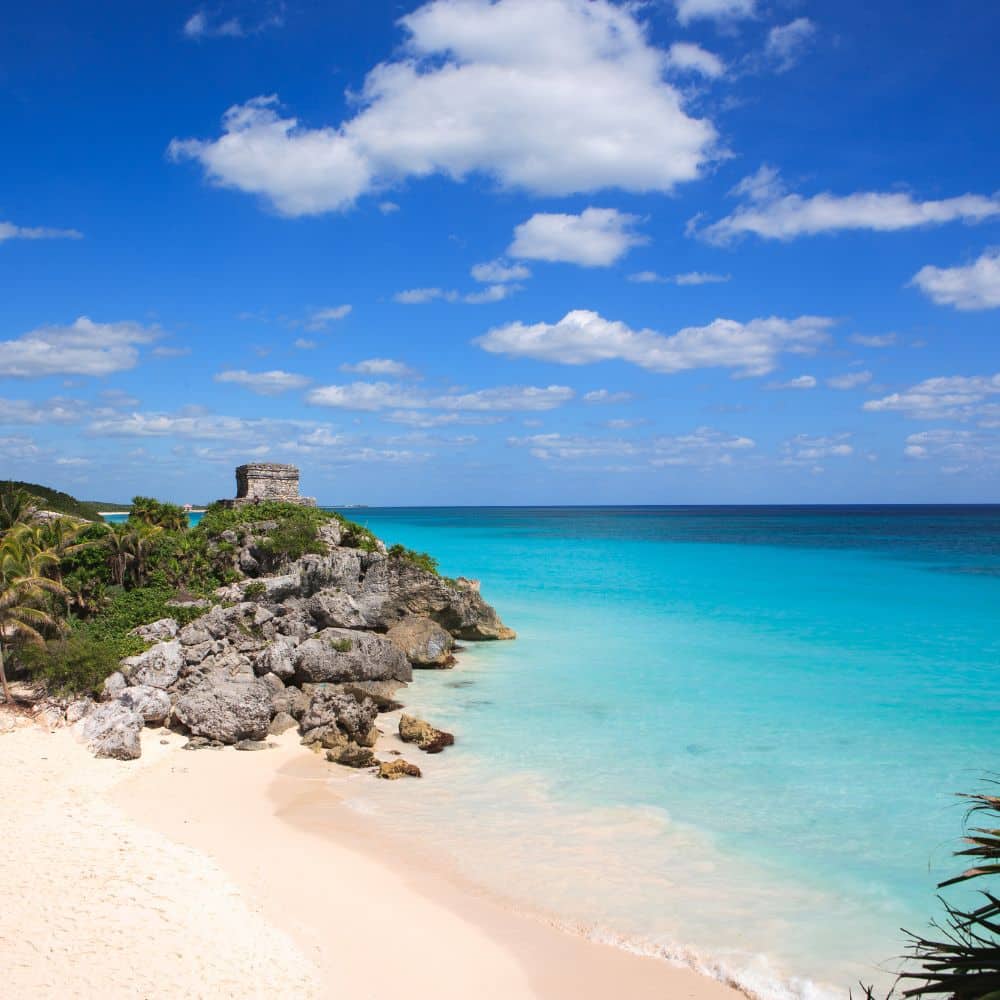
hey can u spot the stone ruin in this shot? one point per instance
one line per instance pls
(260, 482)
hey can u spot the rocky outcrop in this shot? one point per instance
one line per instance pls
(337, 654)
(426, 736)
(423, 642)
(329, 707)
(226, 710)
(392, 770)
(158, 631)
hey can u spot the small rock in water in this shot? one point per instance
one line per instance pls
(394, 769)
(351, 756)
(429, 739)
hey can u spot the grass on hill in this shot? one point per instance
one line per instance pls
(50, 499)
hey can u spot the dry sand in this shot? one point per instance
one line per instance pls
(226, 874)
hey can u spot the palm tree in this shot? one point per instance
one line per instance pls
(118, 543)
(16, 507)
(23, 587)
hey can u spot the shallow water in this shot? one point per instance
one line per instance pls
(730, 735)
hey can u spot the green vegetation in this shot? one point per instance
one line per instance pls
(341, 645)
(78, 664)
(255, 590)
(421, 559)
(354, 535)
(49, 499)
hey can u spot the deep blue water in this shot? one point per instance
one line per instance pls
(734, 733)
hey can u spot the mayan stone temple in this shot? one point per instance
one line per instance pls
(263, 481)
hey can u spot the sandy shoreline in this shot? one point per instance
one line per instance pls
(219, 873)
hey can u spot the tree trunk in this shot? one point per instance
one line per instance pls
(8, 700)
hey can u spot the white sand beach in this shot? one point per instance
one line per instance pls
(228, 874)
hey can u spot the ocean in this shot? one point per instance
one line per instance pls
(727, 736)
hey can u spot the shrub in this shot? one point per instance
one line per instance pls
(293, 538)
(170, 517)
(356, 536)
(342, 645)
(78, 664)
(254, 591)
(423, 560)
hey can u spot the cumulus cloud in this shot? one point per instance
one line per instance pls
(8, 231)
(48, 411)
(19, 448)
(704, 448)
(388, 207)
(597, 237)
(384, 367)
(551, 96)
(583, 337)
(772, 214)
(572, 447)
(786, 43)
(498, 272)
(391, 396)
(421, 296)
(196, 425)
(82, 348)
(271, 383)
(685, 279)
(714, 10)
(686, 57)
(320, 319)
(805, 449)
(799, 382)
(850, 380)
(424, 419)
(974, 286)
(955, 397)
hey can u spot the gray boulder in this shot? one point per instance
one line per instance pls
(343, 655)
(76, 710)
(113, 686)
(281, 723)
(158, 667)
(112, 730)
(153, 704)
(356, 719)
(276, 658)
(162, 630)
(423, 642)
(226, 710)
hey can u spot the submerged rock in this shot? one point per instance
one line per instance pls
(423, 642)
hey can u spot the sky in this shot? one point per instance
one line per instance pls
(503, 251)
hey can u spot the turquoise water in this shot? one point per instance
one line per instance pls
(728, 736)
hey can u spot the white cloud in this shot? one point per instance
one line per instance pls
(170, 352)
(955, 397)
(387, 395)
(423, 419)
(305, 344)
(583, 337)
(774, 215)
(960, 449)
(572, 447)
(48, 411)
(82, 348)
(388, 207)
(714, 10)
(19, 448)
(552, 96)
(686, 57)
(786, 43)
(271, 383)
(685, 279)
(799, 382)
(597, 237)
(421, 296)
(497, 272)
(8, 231)
(603, 396)
(804, 449)
(380, 366)
(320, 319)
(850, 380)
(703, 448)
(196, 425)
(203, 24)
(874, 340)
(974, 286)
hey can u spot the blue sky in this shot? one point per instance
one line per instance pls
(519, 251)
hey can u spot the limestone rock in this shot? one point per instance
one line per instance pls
(153, 704)
(330, 707)
(281, 723)
(226, 710)
(158, 667)
(423, 642)
(339, 655)
(381, 692)
(351, 756)
(276, 658)
(78, 709)
(392, 770)
(429, 739)
(253, 745)
(113, 686)
(159, 631)
(112, 730)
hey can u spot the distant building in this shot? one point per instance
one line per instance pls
(261, 482)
